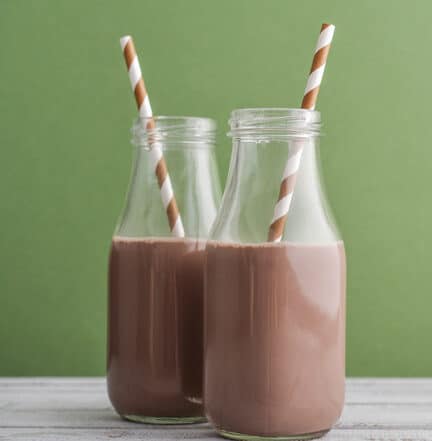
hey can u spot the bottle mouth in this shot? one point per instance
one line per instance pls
(181, 131)
(267, 124)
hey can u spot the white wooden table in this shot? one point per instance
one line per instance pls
(46, 409)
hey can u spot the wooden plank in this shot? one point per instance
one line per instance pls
(143, 432)
(389, 390)
(98, 414)
(387, 416)
(177, 433)
(365, 391)
(52, 384)
(358, 391)
(50, 381)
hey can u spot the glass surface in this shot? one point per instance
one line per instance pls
(274, 312)
(155, 312)
(300, 437)
(262, 141)
(188, 149)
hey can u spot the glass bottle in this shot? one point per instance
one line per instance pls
(155, 305)
(274, 345)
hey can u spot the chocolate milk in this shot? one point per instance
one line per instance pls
(155, 328)
(274, 346)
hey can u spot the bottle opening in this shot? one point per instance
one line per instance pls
(264, 124)
(178, 131)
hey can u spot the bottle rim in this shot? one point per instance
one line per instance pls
(273, 123)
(181, 131)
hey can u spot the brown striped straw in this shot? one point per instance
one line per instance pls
(156, 156)
(310, 96)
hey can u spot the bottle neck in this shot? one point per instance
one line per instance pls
(195, 183)
(252, 190)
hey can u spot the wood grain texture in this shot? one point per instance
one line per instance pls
(79, 409)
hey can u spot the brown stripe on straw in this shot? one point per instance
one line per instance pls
(172, 211)
(140, 93)
(320, 58)
(129, 52)
(276, 229)
(287, 186)
(310, 98)
(161, 171)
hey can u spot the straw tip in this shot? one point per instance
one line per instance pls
(329, 26)
(124, 41)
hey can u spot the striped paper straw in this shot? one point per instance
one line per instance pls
(156, 157)
(286, 190)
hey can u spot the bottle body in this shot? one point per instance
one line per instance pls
(155, 329)
(274, 312)
(156, 283)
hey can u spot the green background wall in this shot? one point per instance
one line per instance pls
(65, 113)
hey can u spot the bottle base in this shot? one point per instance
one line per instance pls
(164, 420)
(246, 437)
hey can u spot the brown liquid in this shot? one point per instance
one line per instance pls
(274, 345)
(155, 327)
